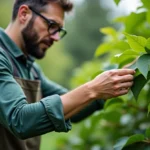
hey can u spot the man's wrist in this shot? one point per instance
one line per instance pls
(90, 90)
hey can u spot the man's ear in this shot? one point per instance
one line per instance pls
(24, 14)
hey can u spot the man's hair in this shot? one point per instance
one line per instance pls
(39, 4)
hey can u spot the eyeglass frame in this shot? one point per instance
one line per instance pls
(50, 23)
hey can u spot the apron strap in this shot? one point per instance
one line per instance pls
(35, 74)
(15, 70)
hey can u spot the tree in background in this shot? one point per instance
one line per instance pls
(124, 123)
(83, 36)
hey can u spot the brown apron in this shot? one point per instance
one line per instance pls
(8, 141)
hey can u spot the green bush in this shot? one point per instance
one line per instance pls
(124, 121)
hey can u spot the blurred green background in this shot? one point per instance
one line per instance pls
(73, 51)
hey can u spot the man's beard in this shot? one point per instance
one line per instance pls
(30, 37)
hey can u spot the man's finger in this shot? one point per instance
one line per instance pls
(122, 72)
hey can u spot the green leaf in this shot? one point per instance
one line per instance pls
(103, 48)
(135, 138)
(133, 21)
(128, 141)
(143, 64)
(121, 19)
(121, 45)
(120, 143)
(117, 1)
(133, 66)
(109, 31)
(110, 46)
(126, 55)
(126, 58)
(147, 46)
(137, 43)
(148, 133)
(139, 82)
(146, 3)
(113, 101)
(112, 116)
(138, 146)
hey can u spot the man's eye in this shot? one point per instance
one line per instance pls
(54, 26)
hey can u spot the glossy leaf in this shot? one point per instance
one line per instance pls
(128, 141)
(143, 64)
(133, 66)
(109, 31)
(121, 19)
(121, 45)
(126, 55)
(120, 143)
(135, 138)
(103, 48)
(137, 43)
(139, 83)
(110, 46)
(113, 101)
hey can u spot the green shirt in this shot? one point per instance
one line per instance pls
(40, 117)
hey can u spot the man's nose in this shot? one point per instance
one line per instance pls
(55, 37)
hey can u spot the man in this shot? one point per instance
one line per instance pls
(30, 104)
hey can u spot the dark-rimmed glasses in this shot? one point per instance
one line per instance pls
(53, 27)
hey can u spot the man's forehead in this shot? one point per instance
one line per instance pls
(55, 12)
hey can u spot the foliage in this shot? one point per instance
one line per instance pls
(123, 124)
(83, 38)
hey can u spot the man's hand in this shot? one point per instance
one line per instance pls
(111, 83)
(107, 85)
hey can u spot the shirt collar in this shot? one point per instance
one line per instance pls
(12, 48)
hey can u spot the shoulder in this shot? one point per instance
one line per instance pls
(5, 61)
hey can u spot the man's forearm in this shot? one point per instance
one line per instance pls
(76, 100)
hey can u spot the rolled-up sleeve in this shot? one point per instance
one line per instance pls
(50, 88)
(54, 110)
(27, 120)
